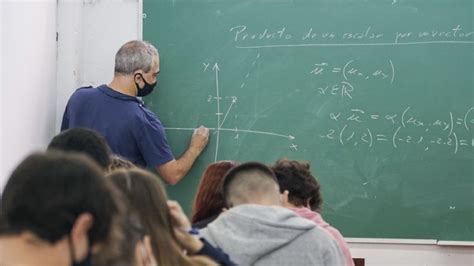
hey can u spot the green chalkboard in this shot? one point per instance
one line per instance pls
(377, 95)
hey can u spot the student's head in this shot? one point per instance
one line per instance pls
(209, 199)
(303, 188)
(138, 62)
(117, 163)
(63, 200)
(251, 183)
(147, 200)
(83, 140)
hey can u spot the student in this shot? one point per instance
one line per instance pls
(163, 227)
(131, 129)
(117, 162)
(58, 210)
(209, 200)
(256, 230)
(305, 198)
(83, 140)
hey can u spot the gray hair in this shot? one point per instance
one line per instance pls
(133, 56)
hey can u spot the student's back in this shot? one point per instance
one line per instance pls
(257, 230)
(270, 235)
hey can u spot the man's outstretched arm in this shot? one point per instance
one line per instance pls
(173, 171)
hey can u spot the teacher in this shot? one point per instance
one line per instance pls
(130, 128)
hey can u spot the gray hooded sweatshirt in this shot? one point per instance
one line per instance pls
(270, 235)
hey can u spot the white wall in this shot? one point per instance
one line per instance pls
(90, 33)
(28, 82)
(39, 75)
(2, 174)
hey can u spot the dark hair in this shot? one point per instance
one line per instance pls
(48, 191)
(209, 200)
(241, 172)
(147, 200)
(296, 177)
(83, 140)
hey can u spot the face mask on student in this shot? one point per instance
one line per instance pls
(147, 89)
(87, 261)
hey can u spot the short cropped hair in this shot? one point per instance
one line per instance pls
(302, 186)
(249, 182)
(83, 140)
(47, 192)
(133, 56)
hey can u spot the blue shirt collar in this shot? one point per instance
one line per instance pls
(118, 95)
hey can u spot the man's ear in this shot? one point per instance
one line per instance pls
(138, 76)
(79, 237)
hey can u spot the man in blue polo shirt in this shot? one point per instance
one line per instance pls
(130, 129)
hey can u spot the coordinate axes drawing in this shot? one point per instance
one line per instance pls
(222, 116)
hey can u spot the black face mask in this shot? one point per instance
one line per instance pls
(87, 261)
(147, 89)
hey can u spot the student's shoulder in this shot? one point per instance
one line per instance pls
(319, 235)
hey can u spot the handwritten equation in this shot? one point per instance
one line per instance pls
(356, 129)
(350, 73)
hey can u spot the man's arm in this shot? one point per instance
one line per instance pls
(173, 171)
